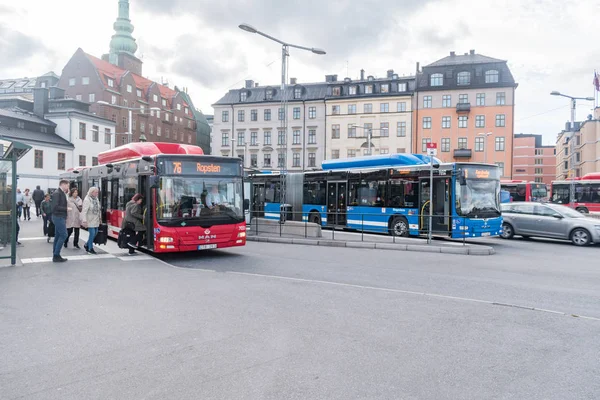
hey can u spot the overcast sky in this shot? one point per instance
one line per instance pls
(549, 44)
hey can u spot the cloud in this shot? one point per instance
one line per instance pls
(17, 48)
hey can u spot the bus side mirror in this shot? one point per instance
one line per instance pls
(154, 182)
(246, 204)
(436, 165)
(462, 180)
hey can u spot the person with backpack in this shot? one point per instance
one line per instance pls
(134, 221)
(38, 197)
(90, 217)
(46, 207)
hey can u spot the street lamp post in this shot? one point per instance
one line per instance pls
(284, 68)
(485, 144)
(130, 123)
(571, 144)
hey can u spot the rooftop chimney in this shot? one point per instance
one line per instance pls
(40, 102)
(293, 81)
(471, 52)
(56, 93)
(418, 67)
(452, 54)
(256, 84)
(249, 84)
(390, 73)
(362, 74)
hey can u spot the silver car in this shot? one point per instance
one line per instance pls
(549, 220)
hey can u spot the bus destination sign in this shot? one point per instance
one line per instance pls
(480, 172)
(195, 167)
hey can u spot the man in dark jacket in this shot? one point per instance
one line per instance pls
(38, 197)
(59, 218)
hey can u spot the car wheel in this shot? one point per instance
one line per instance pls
(507, 231)
(399, 227)
(580, 237)
(583, 210)
(314, 218)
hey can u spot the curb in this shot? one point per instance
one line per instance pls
(467, 251)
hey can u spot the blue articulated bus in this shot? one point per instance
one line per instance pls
(386, 194)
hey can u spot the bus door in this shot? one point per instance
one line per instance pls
(258, 200)
(104, 189)
(336, 203)
(441, 205)
(148, 205)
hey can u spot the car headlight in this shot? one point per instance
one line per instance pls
(597, 227)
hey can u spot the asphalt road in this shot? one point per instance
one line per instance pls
(294, 322)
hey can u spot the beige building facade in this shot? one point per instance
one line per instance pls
(582, 156)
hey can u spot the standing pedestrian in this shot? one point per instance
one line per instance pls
(73, 217)
(38, 197)
(59, 218)
(46, 212)
(19, 204)
(90, 217)
(134, 220)
(27, 202)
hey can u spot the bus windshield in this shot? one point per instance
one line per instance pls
(199, 201)
(478, 198)
(539, 192)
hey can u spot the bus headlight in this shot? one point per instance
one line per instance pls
(242, 235)
(165, 239)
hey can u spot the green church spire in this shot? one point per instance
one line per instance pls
(122, 41)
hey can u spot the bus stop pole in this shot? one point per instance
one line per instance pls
(430, 199)
(13, 211)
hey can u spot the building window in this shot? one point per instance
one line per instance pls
(351, 153)
(253, 115)
(335, 110)
(351, 130)
(267, 160)
(402, 87)
(491, 76)
(142, 126)
(280, 160)
(82, 130)
(312, 160)
(480, 99)
(139, 92)
(401, 106)
(297, 92)
(95, 133)
(267, 115)
(189, 138)
(78, 97)
(143, 109)
(85, 80)
(351, 108)
(114, 118)
(335, 154)
(267, 138)
(225, 139)
(368, 108)
(424, 144)
(426, 122)
(462, 143)
(401, 129)
(241, 139)
(92, 98)
(384, 151)
(385, 88)
(241, 115)
(539, 152)
(463, 98)
(337, 91)
(446, 101)
(124, 122)
(243, 96)
(225, 116)
(384, 107)
(281, 113)
(94, 161)
(296, 160)
(500, 143)
(352, 90)
(480, 121)
(72, 82)
(158, 130)
(500, 98)
(445, 145)
(129, 89)
(500, 120)
(446, 123)
(296, 112)
(151, 128)
(158, 114)
(500, 168)
(123, 140)
(38, 161)
(111, 83)
(539, 180)
(384, 128)
(368, 89)
(167, 116)
(164, 102)
(367, 128)
(113, 99)
(62, 161)
(479, 144)
(82, 161)
(254, 160)
(539, 170)
(107, 136)
(280, 138)
(296, 137)
(312, 112)
(437, 80)
(463, 78)
(463, 121)
(426, 101)
(168, 134)
(335, 131)
(312, 136)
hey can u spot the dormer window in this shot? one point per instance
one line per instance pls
(269, 94)
(402, 87)
(385, 88)
(111, 83)
(297, 92)
(243, 96)
(352, 90)
(139, 92)
(437, 80)
(337, 91)
(368, 89)
(491, 76)
(463, 78)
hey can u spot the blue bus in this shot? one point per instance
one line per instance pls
(386, 194)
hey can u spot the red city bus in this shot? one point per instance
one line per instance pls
(192, 201)
(586, 193)
(525, 191)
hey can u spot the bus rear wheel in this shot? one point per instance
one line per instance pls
(583, 210)
(315, 218)
(399, 227)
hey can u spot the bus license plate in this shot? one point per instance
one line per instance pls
(485, 234)
(207, 246)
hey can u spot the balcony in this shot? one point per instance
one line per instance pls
(463, 107)
(463, 153)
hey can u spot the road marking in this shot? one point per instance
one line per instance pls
(25, 239)
(70, 258)
(136, 258)
(410, 292)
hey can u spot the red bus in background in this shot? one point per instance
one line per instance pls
(525, 191)
(586, 193)
(180, 185)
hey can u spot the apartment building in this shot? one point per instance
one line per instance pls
(582, 156)
(532, 161)
(465, 104)
(248, 123)
(369, 116)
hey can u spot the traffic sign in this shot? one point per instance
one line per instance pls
(432, 149)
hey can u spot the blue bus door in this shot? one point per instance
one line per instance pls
(440, 222)
(258, 200)
(336, 203)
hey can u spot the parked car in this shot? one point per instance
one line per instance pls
(528, 219)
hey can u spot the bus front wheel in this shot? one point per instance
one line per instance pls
(583, 210)
(314, 218)
(399, 227)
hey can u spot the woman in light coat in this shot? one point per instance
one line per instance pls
(27, 202)
(74, 205)
(90, 217)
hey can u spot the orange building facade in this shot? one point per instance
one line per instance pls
(465, 104)
(532, 161)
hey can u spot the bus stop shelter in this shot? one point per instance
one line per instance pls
(10, 152)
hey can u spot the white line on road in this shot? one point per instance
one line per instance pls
(439, 296)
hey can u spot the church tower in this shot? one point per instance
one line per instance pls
(122, 44)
